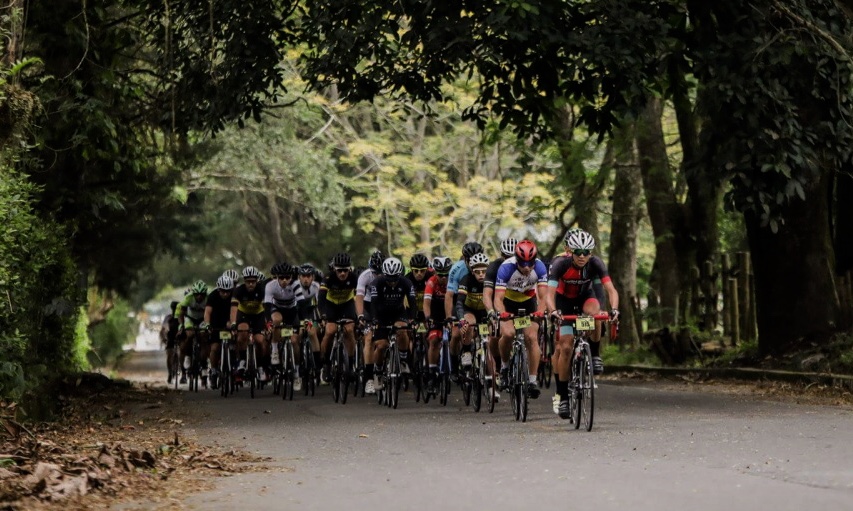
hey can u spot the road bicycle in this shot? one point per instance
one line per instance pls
(227, 384)
(420, 364)
(310, 372)
(339, 364)
(285, 376)
(485, 385)
(391, 374)
(546, 348)
(582, 379)
(519, 379)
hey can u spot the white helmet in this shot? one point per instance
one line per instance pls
(579, 240)
(392, 267)
(250, 272)
(480, 259)
(232, 274)
(225, 283)
(508, 247)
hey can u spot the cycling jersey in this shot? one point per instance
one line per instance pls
(518, 287)
(420, 286)
(248, 302)
(309, 306)
(492, 272)
(336, 291)
(283, 297)
(390, 302)
(573, 282)
(435, 292)
(364, 282)
(470, 296)
(191, 308)
(220, 309)
(457, 272)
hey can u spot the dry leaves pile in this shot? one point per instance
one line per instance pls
(115, 445)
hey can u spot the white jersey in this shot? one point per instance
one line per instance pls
(283, 297)
(365, 280)
(311, 293)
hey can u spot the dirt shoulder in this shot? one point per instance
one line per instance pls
(109, 445)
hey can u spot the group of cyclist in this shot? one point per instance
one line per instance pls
(447, 298)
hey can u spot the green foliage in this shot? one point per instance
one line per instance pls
(613, 355)
(110, 336)
(36, 320)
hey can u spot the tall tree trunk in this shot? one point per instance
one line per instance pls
(665, 213)
(15, 30)
(622, 260)
(795, 273)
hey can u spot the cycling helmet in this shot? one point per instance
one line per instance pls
(478, 260)
(232, 274)
(375, 262)
(225, 283)
(525, 251)
(419, 261)
(283, 269)
(261, 276)
(250, 272)
(471, 248)
(199, 288)
(341, 260)
(306, 269)
(442, 265)
(579, 240)
(392, 267)
(508, 247)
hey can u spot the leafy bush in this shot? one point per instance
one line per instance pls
(109, 336)
(38, 288)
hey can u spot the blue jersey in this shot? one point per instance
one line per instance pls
(457, 272)
(518, 287)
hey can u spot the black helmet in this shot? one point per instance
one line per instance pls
(342, 260)
(281, 268)
(306, 269)
(419, 261)
(375, 262)
(471, 248)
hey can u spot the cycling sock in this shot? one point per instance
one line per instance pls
(563, 390)
(595, 348)
(404, 356)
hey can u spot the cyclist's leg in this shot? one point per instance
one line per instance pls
(369, 358)
(403, 342)
(434, 343)
(592, 306)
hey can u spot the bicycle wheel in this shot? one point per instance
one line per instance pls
(396, 375)
(176, 365)
(523, 400)
(587, 390)
(491, 386)
(574, 394)
(335, 369)
(345, 376)
(467, 387)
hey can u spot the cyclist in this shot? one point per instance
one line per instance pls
(507, 250)
(168, 332)
(392, 302)
(217, 312)
(457, 273)
(570, 289)
(362, 297)
(337, 301)
(521, 284)
(247, 316)
(311, 292)
(282, 297)
(190, 312)
(469, 302)
(419, 273)
(434, 313)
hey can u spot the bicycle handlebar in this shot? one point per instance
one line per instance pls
(600, 316)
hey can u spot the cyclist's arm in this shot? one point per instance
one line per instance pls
(208, 313)
(449, 302)
(612, 294)
(499, 299)
(542, 297)
(322, 301)
(460, 302)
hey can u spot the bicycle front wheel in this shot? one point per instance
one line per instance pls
(587, 390)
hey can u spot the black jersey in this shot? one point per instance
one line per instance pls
(492, 272)
(249, 302)
(220, 309)
(388, 299)
(336, 291)
(470, 296)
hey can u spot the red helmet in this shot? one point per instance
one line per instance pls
(525, 251)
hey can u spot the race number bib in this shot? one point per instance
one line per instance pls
(224, 336)
(286, 332)
(483, 328)
(585, 324)
(521, 322)
(421, 329)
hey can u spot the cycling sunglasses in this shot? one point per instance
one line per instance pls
(579, 252)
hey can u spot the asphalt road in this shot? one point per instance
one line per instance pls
(651, 448)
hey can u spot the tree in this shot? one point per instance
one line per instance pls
(773, 94)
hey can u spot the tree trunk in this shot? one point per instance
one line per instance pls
(622, 261)
(795, 273)
(665, 213)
